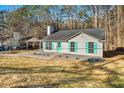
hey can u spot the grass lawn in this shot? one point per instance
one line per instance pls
(30, 72)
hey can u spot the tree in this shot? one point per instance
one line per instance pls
(33, 21)
(3, 24)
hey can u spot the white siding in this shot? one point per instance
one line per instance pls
(81, 40)
(0, 43)
(63, 44)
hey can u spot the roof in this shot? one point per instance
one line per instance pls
(25, 39)
(34, 39)
(97, 33)
(66, 35)
(62, 35)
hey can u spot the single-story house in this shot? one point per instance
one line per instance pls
(78, 42)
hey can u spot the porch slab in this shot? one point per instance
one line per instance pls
(57, 56)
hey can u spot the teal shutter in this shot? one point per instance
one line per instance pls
(76, 47)
(68, 46)
(86, 48)
(52, 45)
(95, 47)
(60, 48)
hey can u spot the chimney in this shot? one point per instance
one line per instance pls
(50, 30)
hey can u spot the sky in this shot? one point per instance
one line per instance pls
(9, 7)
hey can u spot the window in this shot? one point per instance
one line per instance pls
(72, 46)
(90, 47)
(48, 45)
(59, 44)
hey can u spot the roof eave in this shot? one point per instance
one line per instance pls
(53, 40)
(62, 40)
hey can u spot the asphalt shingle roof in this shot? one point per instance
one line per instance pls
(25, 39)
(97, 33)
(65, 35)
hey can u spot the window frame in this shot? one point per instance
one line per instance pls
(72, 47)
(48, 45)
(91, 47)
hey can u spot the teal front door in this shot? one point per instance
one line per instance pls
(59, 47)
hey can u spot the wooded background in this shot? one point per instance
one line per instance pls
(33, 21)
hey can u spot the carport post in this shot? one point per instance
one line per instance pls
(40, 45)
(33, 44)
(27, 45)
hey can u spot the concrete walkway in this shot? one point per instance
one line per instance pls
(27, 54)
(50, 56)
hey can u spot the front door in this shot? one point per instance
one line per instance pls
(59, 47)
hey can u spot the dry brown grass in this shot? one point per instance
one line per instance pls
(16, 51)
(30, 72)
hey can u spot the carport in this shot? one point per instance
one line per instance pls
(35, 42)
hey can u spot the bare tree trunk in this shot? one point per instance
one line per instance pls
(115, 29)
(118, 26)
(95, 18)
(100, 22)
(121, 28)
(11, 36)
(26, 26)
(106, 33)
(110, 32)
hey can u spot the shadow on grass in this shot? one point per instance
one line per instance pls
(82, 78)
(45, 69)
(113, 79)
(58, 83)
